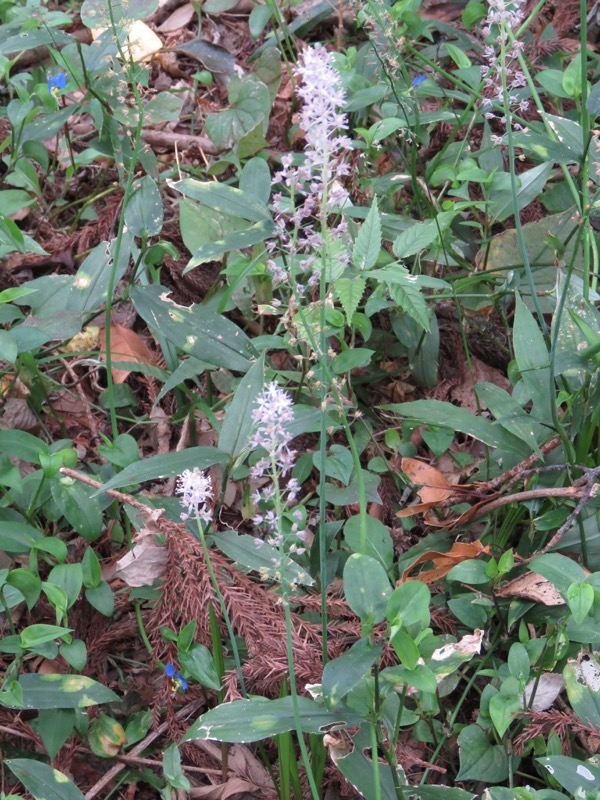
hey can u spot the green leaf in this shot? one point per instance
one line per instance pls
(172, 758)
(559, 570)
(404, 289)
(258, 718)
(8, 347)
(165, 107)
(27, 582)
(342, 674)
(101, 598)
(573, 775)
(199, 331)
(55, 726)
(42, 781)
(260, 557)
(503, 706)
(533, 361)
(418, 237)
(68, 577)
(18, 537)
(437, 412)
(409, 605)
(224, 199)
(352, 358)
(404, 647)
(529, 185)
(75, 654)
(379, 541)
(167, 466)
(511, 416)
(357, 766)
(582, 681)
(580, 599)
(63, 691)
(255, 179)
(198, 663)
(349, 292)
(368, 243)
(237, 240)
(572, 78)
(250, 107)
(34, 635)
(479, 759)
(81, 510)
(144, 213)
(95, 13)
(237, 425)
(367, 588)
(29, 40)
(22, 445)
(472, 571)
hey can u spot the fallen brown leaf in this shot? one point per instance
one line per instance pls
(125, 345)
(443, 562)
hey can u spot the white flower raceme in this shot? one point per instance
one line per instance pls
(274, 413)
(314, 187)
(195, 488)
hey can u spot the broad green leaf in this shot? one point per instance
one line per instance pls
(42, 781)
(580, 599)
(68, 577)
(165, 107)
(367, 588)
(260, 557)
(18, 537)
(418, 237)
(357, 767)
(29, 40)
(342, 674)
(224, 199)
(35, 635)
(511, 416)
(529, 185)
(437, 412)
(352, 358)
(198, 330)
(238, 240)
(96, 13)
(8, 347)
(237, 425)
(572, 78)
(144, 213)
(379, 541)
(201, 227)
(167, 466)
(55, 726)
(504, 705)
(80, 509)
(258, 718)
(479, 759)
(63, 691)
(22, 445)
(409, 605)
(27, 582)
(172, 760)
(199, 664)
(101, 597)
(250, 107)
(404, 647)
(368, 243)
(582, 681)
(349, 292)
(559, 570)
(573, 774)
(255, 178)
(91, 281)
(533, 361)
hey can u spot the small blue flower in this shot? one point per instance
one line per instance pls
(418, 80)
(56, 83)
(178, 682)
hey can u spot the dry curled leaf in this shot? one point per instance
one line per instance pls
(443, 562)
(126, 345)
(531, 586)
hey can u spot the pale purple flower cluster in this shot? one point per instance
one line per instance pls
(502, 19)
(195, 488)
(273, 414)
(314, 188)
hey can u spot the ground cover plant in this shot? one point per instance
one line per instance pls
(299, 400)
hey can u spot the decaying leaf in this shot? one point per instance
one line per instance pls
(125, 345)
(547, 689)
(531, 586)
(144, 564)
(141, 42)
(443, 562)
